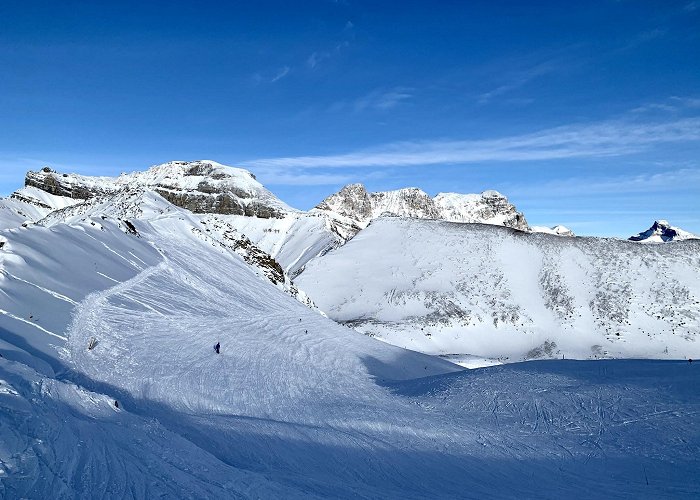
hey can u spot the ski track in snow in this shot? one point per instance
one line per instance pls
(46, 290)
(32, 323)
(303, 410)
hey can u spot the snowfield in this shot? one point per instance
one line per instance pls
(445, 288)
(296, 405)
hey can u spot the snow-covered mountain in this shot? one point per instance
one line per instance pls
(233, 204)
(661, 232)
(354, 204)
(556, 230)
(446, 288)
(199, 186)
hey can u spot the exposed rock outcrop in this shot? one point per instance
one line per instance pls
(198, 186)
(353, 207)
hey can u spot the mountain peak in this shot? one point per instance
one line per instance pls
(201, 186)
(353, 202)
(661, 231)
(198, 168)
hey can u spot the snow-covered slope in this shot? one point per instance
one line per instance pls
(229, 201)
(30, 204)
(295, 406)
(292, 240)
(556, 230)
(661, 232)
(445, 288)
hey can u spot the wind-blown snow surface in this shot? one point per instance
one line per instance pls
(445, 288)
(295, 405)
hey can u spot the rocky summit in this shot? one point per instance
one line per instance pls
(661, 232)
(198, 186)
(359, 207)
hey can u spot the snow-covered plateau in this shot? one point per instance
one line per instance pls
(113, 292)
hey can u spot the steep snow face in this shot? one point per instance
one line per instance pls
(661, 232)
(30, 204)
(292, 240)
(445, 288)
(199, 186)
(556, 230)
(352, 208)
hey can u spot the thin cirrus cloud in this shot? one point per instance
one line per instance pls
(376, 100)
(284, 71)
(383, 100)
(611, 138)
(667, 181)
(516, 81)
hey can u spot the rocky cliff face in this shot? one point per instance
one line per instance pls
(65, 185)
(352, 201)
(198, 186)
(354, 207)
(489, 207)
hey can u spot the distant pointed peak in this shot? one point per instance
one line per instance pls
(662, 231)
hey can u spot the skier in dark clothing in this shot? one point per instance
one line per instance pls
(217, 347)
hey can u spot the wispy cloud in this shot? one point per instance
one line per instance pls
(641, 39)
(315, 59)
(517, 80)
(284, 71)
(302, 177)
(611, 138)
(672, 104)
(271, 77)
(687, 179)
(687, 102)
(377, 100)
(383, 100)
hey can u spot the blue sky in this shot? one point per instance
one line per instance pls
(585, 115)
